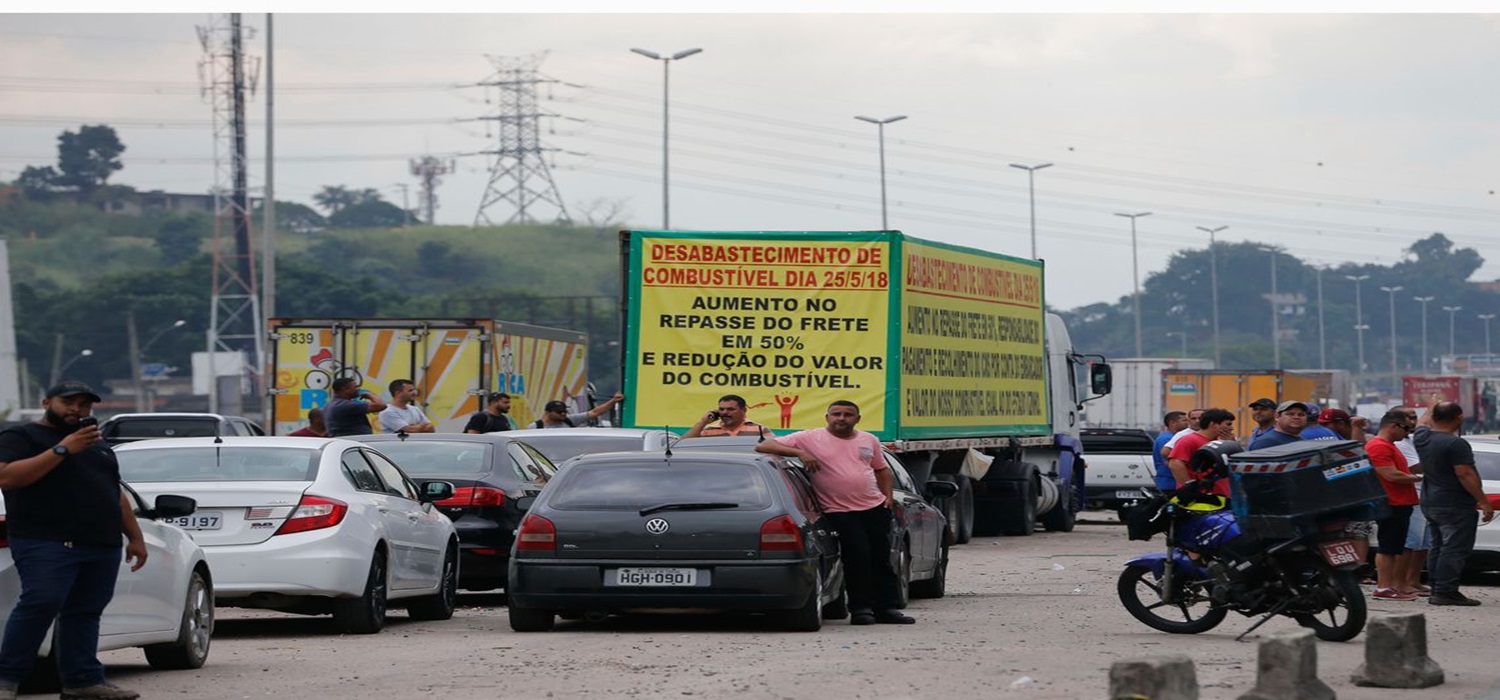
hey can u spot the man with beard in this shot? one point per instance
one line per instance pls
(66, 515)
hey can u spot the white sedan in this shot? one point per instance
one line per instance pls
(1486, 556)
(308, 525)
(167, 607)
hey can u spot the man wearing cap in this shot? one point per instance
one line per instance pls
(1291, 420)
(1317, 430)
(555, 414)
(66, 515)
(494, 418)
(1263, 412)
(1340, 424)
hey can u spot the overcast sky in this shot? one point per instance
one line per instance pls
(1338, 137)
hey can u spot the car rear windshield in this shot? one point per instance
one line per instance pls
(429, 458)
(632, 487)
(1117, 442)
(137, 428)
(569, 445)
(219, 464)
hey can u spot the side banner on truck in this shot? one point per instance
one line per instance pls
(972, 348)
(791, 321)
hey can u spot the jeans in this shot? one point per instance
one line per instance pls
(69, 583)
(864, 548)
(1452, 541)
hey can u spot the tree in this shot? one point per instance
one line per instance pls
(86, 159)
(332, 198)
(36, 182)
(375, 213)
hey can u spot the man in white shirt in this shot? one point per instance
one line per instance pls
(402, 414)
(1193, 427)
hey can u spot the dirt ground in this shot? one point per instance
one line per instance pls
(1033, 617)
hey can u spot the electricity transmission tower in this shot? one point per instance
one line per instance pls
(519, 176)
(234, 307)
(429, 170)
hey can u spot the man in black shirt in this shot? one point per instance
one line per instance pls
(1450, 492)
(494, 418)
(66, 514)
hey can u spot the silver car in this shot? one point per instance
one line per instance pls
(561, 444)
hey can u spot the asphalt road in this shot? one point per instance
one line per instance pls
(1011, 615)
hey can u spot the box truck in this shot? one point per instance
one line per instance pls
(1136, 399)
(1233, 390)
(947, 351)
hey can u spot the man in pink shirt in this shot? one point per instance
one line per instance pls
(853, 486)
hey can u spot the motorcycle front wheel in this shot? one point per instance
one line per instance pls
(1343, 612)
(1141, 593)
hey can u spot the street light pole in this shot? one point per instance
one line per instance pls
(1213, 272)
(1275, 314)
(880, 129)
(666, 82)
(1322, 344)
(1392, 291)
(1135, 277)
(1486, 318)
(1451, 310)
(57, 374)
(1425, 362)
(1031, 187)
(1359, 327)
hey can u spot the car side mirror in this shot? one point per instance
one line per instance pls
(1101, 378)
(436, 491)
(523, 503)
(942, 489)
(172, 506)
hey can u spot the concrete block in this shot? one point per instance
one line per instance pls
(1287, 669)
(1396, 654)
(1154, 678)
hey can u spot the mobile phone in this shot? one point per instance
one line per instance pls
(87, 421)
(713, 415)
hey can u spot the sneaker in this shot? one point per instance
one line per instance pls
(101, 691)
(1422, 589)
(862, 617)
(1454, 598)
(894, 617)
(1393, 594)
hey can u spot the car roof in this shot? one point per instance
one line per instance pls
(200, 416)
(661, 457)
(728, 443)
(585, 432)
(236, 441)
(491, 438)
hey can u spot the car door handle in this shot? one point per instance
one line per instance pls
(413, 517)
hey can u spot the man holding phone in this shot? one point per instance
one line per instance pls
(346, 413)
(731, 418)
(66, 515)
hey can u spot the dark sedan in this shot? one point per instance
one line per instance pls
(489, 473)
(920, 536)
(651, 531)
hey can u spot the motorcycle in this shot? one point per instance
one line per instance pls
(1212, 566)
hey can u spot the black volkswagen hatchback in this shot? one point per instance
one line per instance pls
(649, 531)
(489, 473)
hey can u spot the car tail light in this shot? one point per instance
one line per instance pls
(1493, 497)
(314, 513)
(537, 534)
(475, 496)
(780, 534)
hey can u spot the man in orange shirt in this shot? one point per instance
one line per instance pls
(731, 418)
(1401, 490)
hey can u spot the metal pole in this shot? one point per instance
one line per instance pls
(134, 346)
(1031, 189)
(1451, 311)
(1213, 271)
(884, 223)
(1426, 362)
(1392, 291)
(1359, 326)
(268, 205)
(1322, 344)
(1135, 278)
(666, 194)
(1275, 317)
(1486, 318)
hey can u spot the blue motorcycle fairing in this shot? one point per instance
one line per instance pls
(1157, 562)
(1208, 531)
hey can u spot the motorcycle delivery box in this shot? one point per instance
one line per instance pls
(1278, 490)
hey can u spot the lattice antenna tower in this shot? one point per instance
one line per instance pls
(430, 171)
(519, 175)
(234, 308)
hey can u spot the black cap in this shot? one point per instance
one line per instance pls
(66, 389)
(555, 406)
(1262, 403)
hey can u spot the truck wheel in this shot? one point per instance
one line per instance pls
(1061, 518)
(1018, 514)
(963, 530)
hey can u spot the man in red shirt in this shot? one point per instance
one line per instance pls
(1214, 424)
(1401, 490)
(315, 426)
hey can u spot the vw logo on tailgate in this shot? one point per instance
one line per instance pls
(657, 526)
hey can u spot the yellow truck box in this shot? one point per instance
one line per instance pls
(1233, 390)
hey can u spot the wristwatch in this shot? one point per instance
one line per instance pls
(60, 450)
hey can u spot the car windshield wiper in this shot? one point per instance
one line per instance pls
(687, 506)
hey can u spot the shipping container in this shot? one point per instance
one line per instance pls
(1417, 391)
(1136, 400)
(1233, 390)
